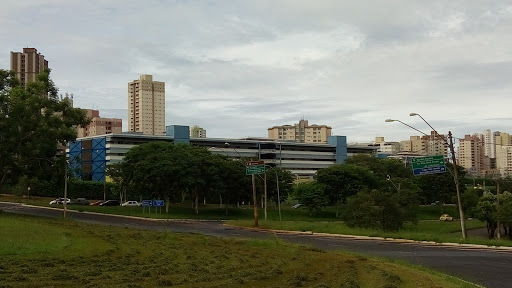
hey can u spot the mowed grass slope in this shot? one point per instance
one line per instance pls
(39, 252)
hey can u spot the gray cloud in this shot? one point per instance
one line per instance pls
(238, 68)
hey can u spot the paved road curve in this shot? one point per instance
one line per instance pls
(488, 267)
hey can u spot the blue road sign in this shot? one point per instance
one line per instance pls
(429, 170)
(147, 203)
(158, 202)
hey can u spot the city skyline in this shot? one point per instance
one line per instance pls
(346, 65)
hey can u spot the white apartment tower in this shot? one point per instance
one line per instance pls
(489, 143)
(146, 106)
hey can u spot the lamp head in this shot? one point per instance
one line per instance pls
(390, 120)
(414, 114)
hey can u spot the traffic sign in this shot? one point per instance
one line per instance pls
(147, 203)
(158, 203)
(254, 167)
(428, 165)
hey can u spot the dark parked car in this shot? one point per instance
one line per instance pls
(111, 203)
(79, 201)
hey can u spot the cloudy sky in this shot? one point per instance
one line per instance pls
(238, 67)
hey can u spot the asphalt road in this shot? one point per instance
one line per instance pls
(485, 266)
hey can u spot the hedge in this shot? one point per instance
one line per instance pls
(77, 189)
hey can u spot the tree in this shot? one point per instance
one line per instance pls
(381, 210)
(505, 210)
(344, 180)
(439, 187)
(381, 167)
(285, 184)
(486, 211)
(234, 186)
(33, 121)
(312, 195)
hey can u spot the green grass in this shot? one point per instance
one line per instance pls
(121, 257)
(428, 230)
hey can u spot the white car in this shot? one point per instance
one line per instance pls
(59, 201)
(131, 203)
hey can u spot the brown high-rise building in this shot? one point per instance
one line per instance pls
(27, 64)
(146, 106)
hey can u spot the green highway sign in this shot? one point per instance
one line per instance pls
(254, 167)
(428, 165)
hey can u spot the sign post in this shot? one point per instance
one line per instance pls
(252, 168)
(146, 203)
(428, 165)
(158, 203)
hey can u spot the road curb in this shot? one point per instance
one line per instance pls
(397, 240)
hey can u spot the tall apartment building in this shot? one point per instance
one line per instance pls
(146, 106)
(301, 132)
(27, 64)
(99, 125)
(197, 132)
(488, 139)
(504, 160)
(471, 155)
(425, 145)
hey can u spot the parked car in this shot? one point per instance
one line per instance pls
(79, 201)
(111, 203)
(435, 203)
(131, 203)
(445, 217)
(296, 206)
(60, 200)
(97, 203)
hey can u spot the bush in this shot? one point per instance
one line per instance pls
(76, 189)
(91, 189)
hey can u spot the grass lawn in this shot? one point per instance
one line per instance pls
(40, 252)
(426, 230)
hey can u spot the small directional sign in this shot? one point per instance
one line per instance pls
(158, 203)
(254, 167)
(147, 203)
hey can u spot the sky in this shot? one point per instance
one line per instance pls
(237, 68)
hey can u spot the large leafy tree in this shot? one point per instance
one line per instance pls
(486, 210)
(439, 187)
(381, 210)
(33, 121)
(345, 180)
(312, 195)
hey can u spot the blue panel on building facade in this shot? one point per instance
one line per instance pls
(341, 147)
(180, 133)
(75, 156)
(98, 157)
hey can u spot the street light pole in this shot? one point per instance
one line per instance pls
(454, 161)
(65, 184)
(389, 179)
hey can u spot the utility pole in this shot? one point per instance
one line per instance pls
(255, 200)
(498, 208)
(456, 180)
(265, 203)
(65, 185)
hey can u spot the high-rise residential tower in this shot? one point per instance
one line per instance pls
(146, 106)
(27, 64)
